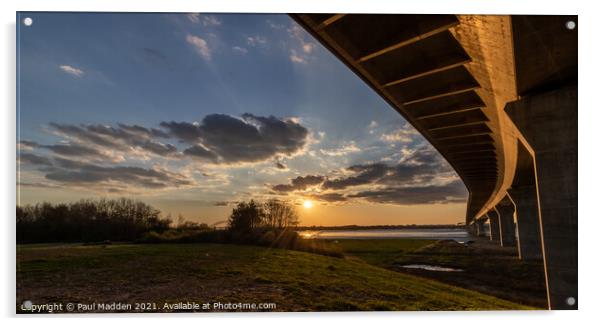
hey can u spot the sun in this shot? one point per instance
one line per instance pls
(308, 204)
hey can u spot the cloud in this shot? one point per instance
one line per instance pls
(299, 183)
(274, 25)
(36, 185)
(299, 34)
(194, 17)
(419, 166)
(423, 154)
(330, 197)
(184, 131)
(246, 139)
(372, 126)
(421, 177)
(72, 71)
(303, 45)
(346, 149)
(125, 138)
(217, 139)
(210, 20)
(406, 134)
(102, 157)
(77, 173)
(295, 58)
(200, 152)
(239, 49)
(200, 46)
(256, 40)
(453, 192)
(363, 174)
(27, 145)
(68, 149)
(29, 158)
(206, 20)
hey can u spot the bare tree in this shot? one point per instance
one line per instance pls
(280, 214)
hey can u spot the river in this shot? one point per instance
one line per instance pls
(455, 234)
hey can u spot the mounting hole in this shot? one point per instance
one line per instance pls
(571, 301)
(570, 25)
(27, 21)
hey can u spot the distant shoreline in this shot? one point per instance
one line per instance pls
(380, 227)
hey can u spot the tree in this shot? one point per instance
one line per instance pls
(280, 214)
(246, 216)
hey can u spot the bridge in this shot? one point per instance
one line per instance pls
(497, 97)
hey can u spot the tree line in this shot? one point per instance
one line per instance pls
(88, 220)
(125, 219)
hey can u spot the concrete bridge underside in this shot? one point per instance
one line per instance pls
(497, 97)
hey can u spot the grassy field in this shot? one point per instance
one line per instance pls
(295, 281)
(488, 268)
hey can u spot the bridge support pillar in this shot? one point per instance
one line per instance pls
(548, 121)
(507, 228)
(527, 222)
(480, 224)
(494, 226)
(472, 229)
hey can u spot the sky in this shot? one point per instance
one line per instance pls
(192, 113)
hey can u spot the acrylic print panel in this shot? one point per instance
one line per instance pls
(197, 162)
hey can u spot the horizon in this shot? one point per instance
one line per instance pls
(192, 113)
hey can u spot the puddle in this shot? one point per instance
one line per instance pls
(433, 268)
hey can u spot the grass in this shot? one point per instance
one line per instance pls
(488, 268)
(379, 252)
(294, 280)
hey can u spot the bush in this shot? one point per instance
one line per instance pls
(175, 236)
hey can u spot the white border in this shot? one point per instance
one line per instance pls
(589, 159)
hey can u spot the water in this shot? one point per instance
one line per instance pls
(433, 268)
(437, 234)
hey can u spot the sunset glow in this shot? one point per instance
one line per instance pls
(308, 204)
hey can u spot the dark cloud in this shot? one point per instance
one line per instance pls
(157, 148)
(184, 131)
(248, 139)
(73, 150)
(120, 138)
(432, 194)
(420, 178)
(422, 166)
(34, 159)
(330, 197)
(69, 149)
(365, 174)
(84, 134)
(71, 172)
(201, 153)
(219, 138)
(147, 132)
(299, 183)
(403, 173)
(280, 166)
(35, 185)
(28, 143)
